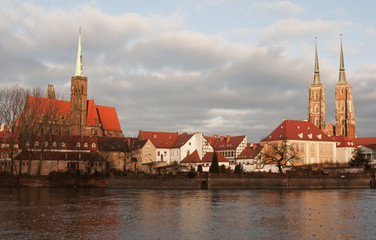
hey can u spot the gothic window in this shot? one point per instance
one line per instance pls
(317, 109)
(317, 122)
(341, 91)
(343, 130)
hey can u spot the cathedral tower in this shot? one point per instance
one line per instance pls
(316, 99)
(78, 100)
(344, 115)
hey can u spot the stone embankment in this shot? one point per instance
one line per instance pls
(199, 182)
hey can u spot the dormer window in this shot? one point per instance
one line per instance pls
(86, 145)
(27, 143)
(309, 135)
(300, 135)
(155, 136)
(36, 144)
(319, 136)
(54, 144)
(63, 144)
(78, 144)
(45, 144)
(93, 145)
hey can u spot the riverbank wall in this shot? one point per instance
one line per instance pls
(198, 182)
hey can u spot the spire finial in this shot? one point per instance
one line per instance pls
(79, 67)
(316, 79)
(342, 76)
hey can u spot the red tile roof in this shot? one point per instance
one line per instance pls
(108, 118)
(44, 104)
(372, 146)
(297, 130)
(160, 139)
(250, 152)
(228, 142)
(364, 141)
(209, 157)
(181, 140)
(192, 158)
(343, 141)
(92, 114)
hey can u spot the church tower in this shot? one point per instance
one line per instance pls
(344, 115)
(316, 99)
(78, 100)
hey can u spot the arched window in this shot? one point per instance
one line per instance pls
(343, 131)
(341, 91)
(316, 96)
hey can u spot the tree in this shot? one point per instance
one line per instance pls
(280, 153)
(359, 160)
(12, 102)
(214, 168)
(238, 169)
(223, 169)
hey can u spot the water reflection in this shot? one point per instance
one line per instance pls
(41, 213)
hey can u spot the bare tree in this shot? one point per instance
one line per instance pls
(12, 102)
(280, 153)
(39, 121)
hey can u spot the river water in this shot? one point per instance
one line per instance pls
(48, 213)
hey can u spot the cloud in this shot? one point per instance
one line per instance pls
(162, 76)
(284, 8)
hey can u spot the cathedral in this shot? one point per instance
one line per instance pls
(344, 107)
(79, 116)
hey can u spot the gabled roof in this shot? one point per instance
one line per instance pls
(250, 152)
(343, 141)
(181, 140)
(108, 118)
(297, 130)
(372, 146)
(364, 141)
(192, 158)
(160, 139)
(209, 157)
(228, 142)
(139, 144)
(92, 114)
(47, 105)
(113, 144)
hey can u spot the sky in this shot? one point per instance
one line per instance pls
(226, 67)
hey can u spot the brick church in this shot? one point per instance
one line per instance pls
(79, 116)
(344, 107)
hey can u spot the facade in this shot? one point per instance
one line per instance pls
(192, 161)
(344, 108)
(344, 115)
(230, 146)
(208, 158)
(345, 149)
(316, 111)
(309, 144)
(251, 158)
(143, 154)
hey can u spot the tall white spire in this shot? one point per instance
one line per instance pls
(79, 67)
(342, 75)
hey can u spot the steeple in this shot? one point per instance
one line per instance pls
(342, 76)
(316, 79)
(79, 68)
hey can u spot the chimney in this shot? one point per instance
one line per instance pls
(228, 138)
(215, 136)
(222, 138)
(254, 146)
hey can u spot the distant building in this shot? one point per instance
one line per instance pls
(230, 146)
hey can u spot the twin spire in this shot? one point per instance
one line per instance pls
(79, 67)
(342, 75)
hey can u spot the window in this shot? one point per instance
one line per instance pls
(302, 147)
(27, 143)
(326, 159)
(86, 145)
(78, 144)
(331, 148)
(165, 153)
(54, 144)
(63, 144)
(316, 96)
(36, 144)
(312, 147)
(321, 159)
(341, 91)
(326, 148)
(93, 145)
(321, 148)
(188, 152)
(46, 144)
(343, 130)
(189, 143)
(159, 153)
(297, 147)
(303, 159)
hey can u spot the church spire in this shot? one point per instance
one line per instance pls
(79, 68)
(342, 76)
(316, 79)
